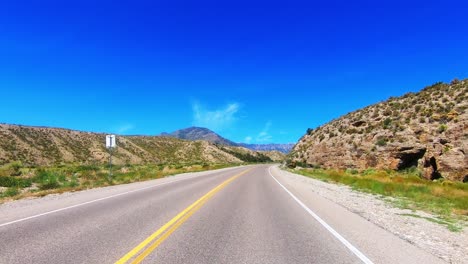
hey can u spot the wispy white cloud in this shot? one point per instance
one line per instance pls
(122, 129)
(262, 137)
(217, 119)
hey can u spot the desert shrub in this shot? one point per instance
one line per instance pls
(87, 168)
(437, 84)
(247, 157)
(302, 164)
(455, 81)
(381, 142)
(48, 179)
(11, 169)
(7, 181)
(386, 123)
(442, 128)
(352, 171)
(9, 192)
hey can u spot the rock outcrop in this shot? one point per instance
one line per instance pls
(428, 130)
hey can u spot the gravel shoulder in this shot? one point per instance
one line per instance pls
(429, 237)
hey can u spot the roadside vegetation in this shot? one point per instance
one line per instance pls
(406, 189)
(253, 157)
(18, 181)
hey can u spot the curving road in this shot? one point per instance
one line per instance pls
(247, 214)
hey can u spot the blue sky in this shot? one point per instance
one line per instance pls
(255, 71)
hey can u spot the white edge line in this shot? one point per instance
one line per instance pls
(98, 200)
(353, 249)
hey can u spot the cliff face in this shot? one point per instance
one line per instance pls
(428, 130)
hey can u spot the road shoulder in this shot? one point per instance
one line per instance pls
(24, 208)
(374, 226)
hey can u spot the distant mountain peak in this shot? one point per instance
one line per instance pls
(202, 133)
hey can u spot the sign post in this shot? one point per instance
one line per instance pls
(110, 145)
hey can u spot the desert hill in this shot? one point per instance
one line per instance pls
(427, 130)
(48, 146)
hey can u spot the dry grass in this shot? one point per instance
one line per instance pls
(43, 181)
(447, 199)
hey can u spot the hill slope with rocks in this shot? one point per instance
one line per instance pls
(427, 130)
(42, 146)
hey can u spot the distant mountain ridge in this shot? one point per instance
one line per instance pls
(284, 148)
(201, 133)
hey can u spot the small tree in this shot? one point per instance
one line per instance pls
(455, 81)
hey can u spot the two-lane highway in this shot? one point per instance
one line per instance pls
(240, 215)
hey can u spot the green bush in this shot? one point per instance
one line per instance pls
(11, 169)
(442, 128)
(7, 181)
(302, 164)
(381, 142)
(16, 168)
(10, 192)
(386, 123)
(87, 168)
(48, 179)
(247, 157)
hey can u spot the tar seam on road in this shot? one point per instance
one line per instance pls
(353, 249)
(161, 234)
(93, 201)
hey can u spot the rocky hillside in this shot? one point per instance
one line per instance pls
(427, 130)
(200, 133)
(48, 146)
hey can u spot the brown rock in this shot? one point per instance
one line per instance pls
(454, 163)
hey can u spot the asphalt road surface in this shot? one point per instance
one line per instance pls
(240, 215)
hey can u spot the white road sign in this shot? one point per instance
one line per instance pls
(110, 141)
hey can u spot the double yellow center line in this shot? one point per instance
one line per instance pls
(166, 230)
